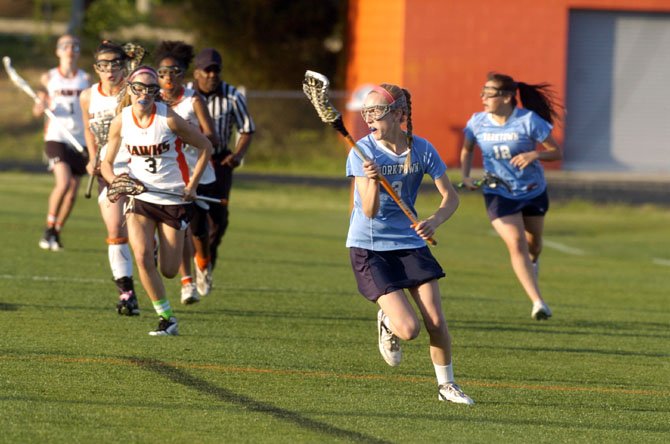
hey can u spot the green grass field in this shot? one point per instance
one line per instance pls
(284, 349)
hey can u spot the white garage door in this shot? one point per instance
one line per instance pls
(618, 92)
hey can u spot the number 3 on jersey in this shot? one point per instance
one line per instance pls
(502, 152)
(151, 165)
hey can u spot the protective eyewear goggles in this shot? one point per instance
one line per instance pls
(377, 112)
(139, 88)
(489, 92)
(109, 65)
(72, 45)
(165, 71)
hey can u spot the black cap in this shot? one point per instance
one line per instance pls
(208, 57)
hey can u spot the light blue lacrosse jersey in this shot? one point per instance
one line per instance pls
(390, 229)
(499, 143)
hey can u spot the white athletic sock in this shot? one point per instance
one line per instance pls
(387, 323)
(444, 373)
(536, 268)
(120, 260)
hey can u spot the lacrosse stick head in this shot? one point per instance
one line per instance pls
(315, 86)
(135, 54)
(124, 185)
(492, 181)
(100, 129)
(17, 79)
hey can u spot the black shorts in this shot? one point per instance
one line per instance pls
(62, 152)
(498, 206)
(207, 190)
(381, 272)
(175, 216)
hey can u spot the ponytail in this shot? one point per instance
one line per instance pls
(539, 98)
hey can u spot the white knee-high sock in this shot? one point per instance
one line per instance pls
(444, 373)
(120, 260)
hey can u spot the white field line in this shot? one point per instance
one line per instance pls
(659, 261)
(555, 245)
(563, 248)
(51, 278)
(93, 280)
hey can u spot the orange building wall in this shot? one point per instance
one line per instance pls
(442, 50)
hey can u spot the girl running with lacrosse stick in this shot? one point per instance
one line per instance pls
(388, 255)
(152, 134)
(62, 87)
(173, 59)
(99, 105)
(507, 136)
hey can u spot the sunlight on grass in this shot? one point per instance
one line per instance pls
(285, 350)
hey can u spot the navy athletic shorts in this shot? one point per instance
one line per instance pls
(498, 206)
(381, 272)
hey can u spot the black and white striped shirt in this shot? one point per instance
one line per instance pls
(227, 106)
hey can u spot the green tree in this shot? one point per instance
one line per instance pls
(108, 15)
(270, 43)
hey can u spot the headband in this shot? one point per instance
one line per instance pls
(387, 95)
(143, 71)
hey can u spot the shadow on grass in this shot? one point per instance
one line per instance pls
(180, 377)
(8, 307)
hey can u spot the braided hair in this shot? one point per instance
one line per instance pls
(403, 101)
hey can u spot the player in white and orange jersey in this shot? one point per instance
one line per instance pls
(99, 105)
(154, 135)
(62, 87)
(173, 59)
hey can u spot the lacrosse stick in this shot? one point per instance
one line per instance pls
(23, 85)
(489, 180)
(315, 87)
(135, 54)
(100, 130)
(124, 185)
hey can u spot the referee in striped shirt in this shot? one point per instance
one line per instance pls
(228, 107)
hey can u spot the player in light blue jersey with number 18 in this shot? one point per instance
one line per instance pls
(507, 137)
(388, 254)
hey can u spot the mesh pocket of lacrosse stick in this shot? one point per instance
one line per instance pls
(315, 86)
(124, 185)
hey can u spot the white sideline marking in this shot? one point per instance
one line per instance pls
(564, 248)
(51, 278)
(555, 245)
(659, 261)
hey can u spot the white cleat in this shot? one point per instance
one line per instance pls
(451, 392)
(540, 312)
(203, 279)
(189, 295)
(389, 344)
